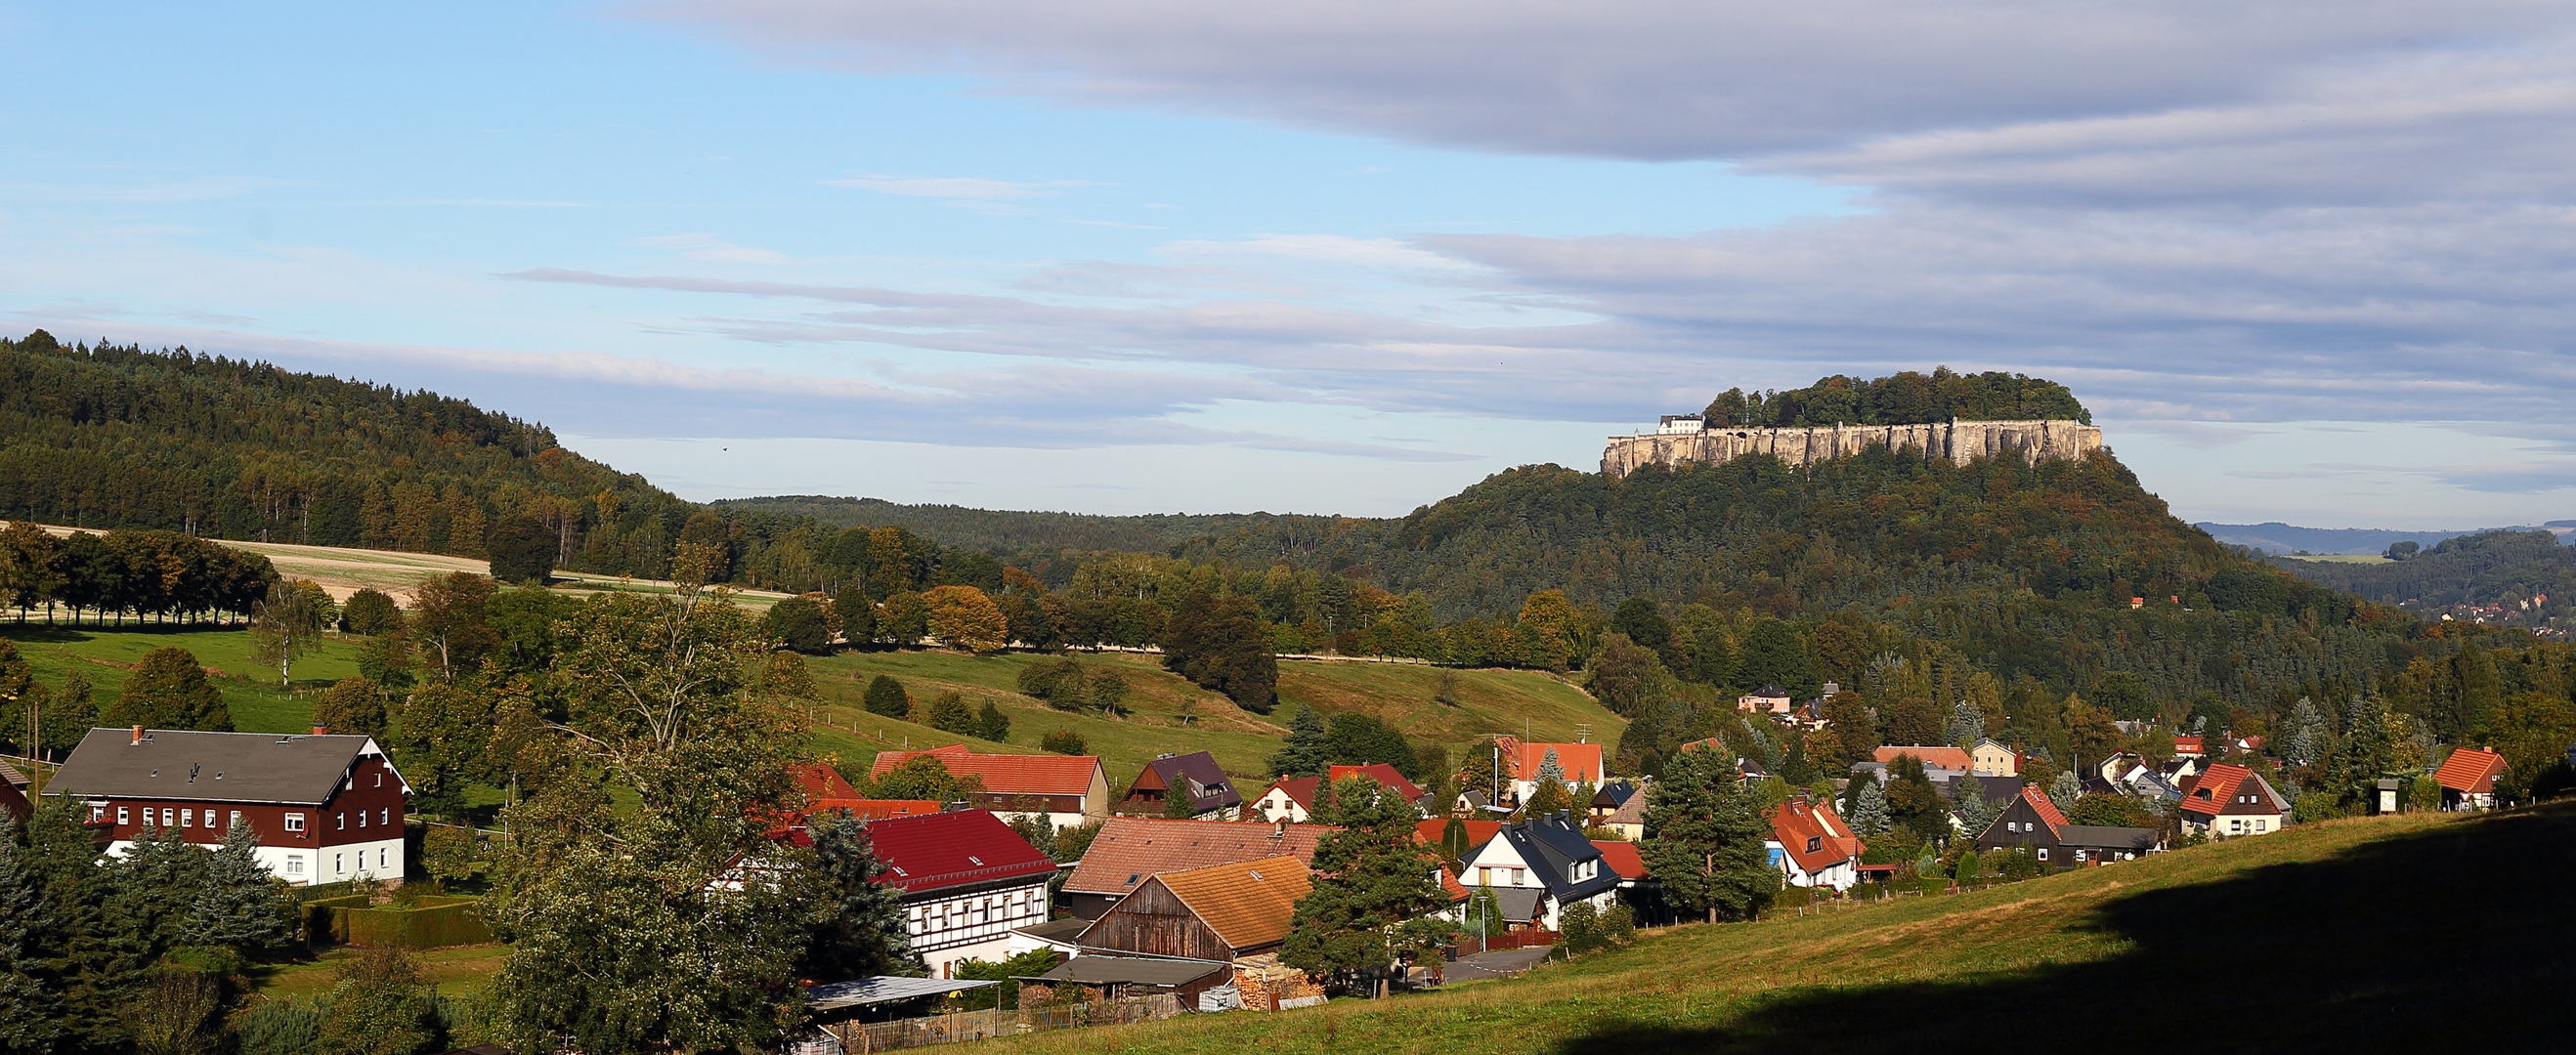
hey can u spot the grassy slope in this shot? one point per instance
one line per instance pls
(1489, 701)
(249, 689)
(2384, 932)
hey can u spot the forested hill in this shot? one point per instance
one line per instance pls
(1004, 530)
(2528, 573)
(118, 436)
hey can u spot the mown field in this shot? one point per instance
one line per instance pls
(2425, 933)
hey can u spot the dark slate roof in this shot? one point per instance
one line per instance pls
(1517, 904)
(1552, 846)
(2096, 836)
(1994, 789)
(882, 989)
(211, 767)
(1132, 970)
(1198, 766)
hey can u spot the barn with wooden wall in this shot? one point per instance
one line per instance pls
(1221, 912)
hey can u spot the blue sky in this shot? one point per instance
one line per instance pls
(1121, 257)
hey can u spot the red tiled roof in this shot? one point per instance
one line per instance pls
(1581, 762)
(1450, 885)
(820, 781)
(1301, 790)
(2190, 745)
(874, 809)
(1796, 821)
(938, 850)
(2046, 807)
(2471, 771)
(1006, 774)
(1622, 857)
(1127, 849)
(1429, 831)
(2213, 789)
(1935, 757)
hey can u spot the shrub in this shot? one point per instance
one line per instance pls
(1064, 742)
(887, 699)
(948, 713)
(992, 724)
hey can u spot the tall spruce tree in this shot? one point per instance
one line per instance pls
(1869, 809)
(240, 906)
(1372, 874)
(1308, 749)
(1704, 839)
(30, 1011)
(862, 929)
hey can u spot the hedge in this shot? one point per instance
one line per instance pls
(430, 923)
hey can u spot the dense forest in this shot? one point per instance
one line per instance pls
(2514, 570)
(1904, 398)
(1004, 531)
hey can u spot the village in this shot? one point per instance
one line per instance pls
(1184, 894)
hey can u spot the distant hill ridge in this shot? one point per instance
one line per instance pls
(2277, 537)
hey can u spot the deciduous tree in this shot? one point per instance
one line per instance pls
(168, 690)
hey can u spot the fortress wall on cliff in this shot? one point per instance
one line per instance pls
(1958, 441)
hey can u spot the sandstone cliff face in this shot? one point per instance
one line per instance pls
(1958, 441)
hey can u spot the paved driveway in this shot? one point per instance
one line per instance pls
(1500, 964)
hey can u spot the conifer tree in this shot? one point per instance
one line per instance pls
(1372, 876)
(2064, 790)
(1869, 809)
(862, 929)
(30, 1011)
(1704, 839)
(1549, 768)
(991, 724)
(1971, 806)
(948, 714)
(1309, 748)
(239, 907)
(1967, 724)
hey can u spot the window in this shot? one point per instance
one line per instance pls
(294, 823)
(380, 857)
(1815, 843)
(336, 867)
(210, 818)
(294, 863)
(120, 816)
(339, 821)
(187, 818)
(2043, 853)
(166, 820)
(95, 812)
(384, 815)
(380, 780)
(236, 819)
(362, 818)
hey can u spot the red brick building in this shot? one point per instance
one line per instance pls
(326, 808)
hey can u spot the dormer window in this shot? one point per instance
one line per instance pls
(1815, 843)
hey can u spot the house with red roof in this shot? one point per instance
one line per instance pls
(1581, 763)
(968, 881)
(819, 781)
(1292, 799)
(2032, 820)
(1941, 756)
(1129, 850)
(1068, 790)
(2230, 800)
(2191, 747)
(1195, 776)
(1812, 846)
(2468, 779)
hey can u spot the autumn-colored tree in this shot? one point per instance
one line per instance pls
(168, 690)
(962, 617)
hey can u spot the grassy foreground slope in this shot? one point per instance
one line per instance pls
(2424, 932)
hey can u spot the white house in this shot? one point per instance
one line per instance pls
(1812, 846)
(968, 883)
(1540, 867)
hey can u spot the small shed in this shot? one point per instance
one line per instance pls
(1112, 977)
(880, 996)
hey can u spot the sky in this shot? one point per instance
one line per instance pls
(2305, 262)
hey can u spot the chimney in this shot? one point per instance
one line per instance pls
(320, 729)
(138, 734)
(1279, 830)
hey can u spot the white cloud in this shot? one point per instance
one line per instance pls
(707, 247)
